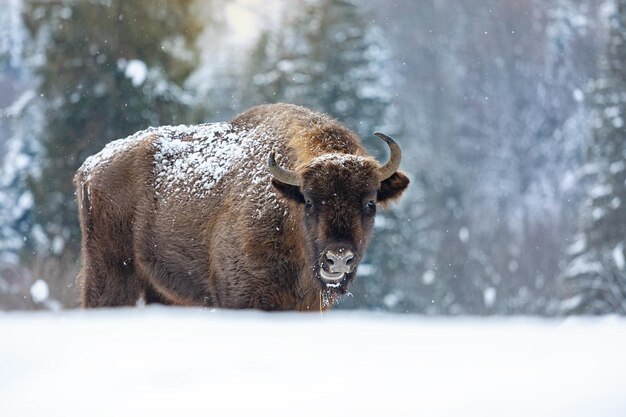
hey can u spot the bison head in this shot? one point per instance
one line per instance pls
(338, 195)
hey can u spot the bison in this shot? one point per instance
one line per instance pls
(271, 211)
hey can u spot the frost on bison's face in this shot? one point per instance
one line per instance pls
(337, 196)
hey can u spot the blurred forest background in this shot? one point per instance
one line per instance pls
(510, 114)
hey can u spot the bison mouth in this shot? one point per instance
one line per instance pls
(335, 281)
(332, 278)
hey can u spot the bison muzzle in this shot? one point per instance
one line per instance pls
(273, 211)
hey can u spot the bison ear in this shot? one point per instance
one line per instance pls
(291, 192)
(392, 188)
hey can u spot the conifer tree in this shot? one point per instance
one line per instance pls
(595, 278)
(18, 131)
(109, 68)
(327, 57)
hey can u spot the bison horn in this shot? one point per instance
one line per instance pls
(393, 164)
(281, 174)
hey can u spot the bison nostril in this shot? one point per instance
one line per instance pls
(340, 261)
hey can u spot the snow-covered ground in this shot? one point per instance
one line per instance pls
(191, 362)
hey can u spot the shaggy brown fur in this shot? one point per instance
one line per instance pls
(245, 240)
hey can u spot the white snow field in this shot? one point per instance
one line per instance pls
(193, 362)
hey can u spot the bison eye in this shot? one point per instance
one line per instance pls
(308, 204)
(370, 207)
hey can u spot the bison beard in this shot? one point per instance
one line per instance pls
(273, 211)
